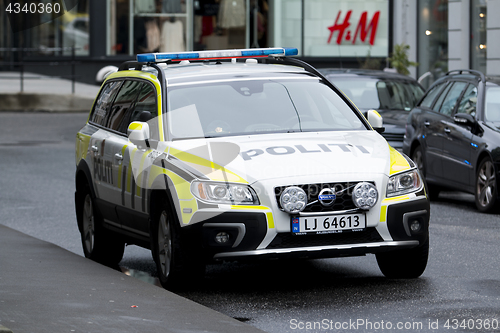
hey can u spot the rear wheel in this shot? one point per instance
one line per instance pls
(404, 264)
(98, 243)
(177, 264)
(486, 186)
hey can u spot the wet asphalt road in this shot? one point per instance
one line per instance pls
(461, 286)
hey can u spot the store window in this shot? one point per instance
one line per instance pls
(478, 35)
(433, 37)
(222, 24)
(286, 23)
(50, 33)
(141, 26)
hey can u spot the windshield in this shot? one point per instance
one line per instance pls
(251, 106)
(369, 93)
(492, 104)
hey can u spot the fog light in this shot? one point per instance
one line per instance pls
(293, 200)
(365, 195)
(415, 226)
(222, 237)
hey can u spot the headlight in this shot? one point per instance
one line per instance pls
(293, 200)
(365, 195)
(224, 193)
(404, 183)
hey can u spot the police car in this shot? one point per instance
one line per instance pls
(241, 154)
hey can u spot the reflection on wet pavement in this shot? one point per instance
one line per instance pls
(143, 276)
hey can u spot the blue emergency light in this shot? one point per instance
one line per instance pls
(219, 54)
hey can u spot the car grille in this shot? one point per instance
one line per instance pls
(342, 202)
(287, 240)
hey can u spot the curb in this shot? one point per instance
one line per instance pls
(4, 329)
(45, 102)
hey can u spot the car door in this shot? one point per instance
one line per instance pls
(100, 153)
(133, 163)
(457, 147)
(429, 123)
(439, 128)
(116, 144)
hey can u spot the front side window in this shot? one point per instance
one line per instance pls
(123, 102)
(468, 101)
(451, 98)
(257, 106)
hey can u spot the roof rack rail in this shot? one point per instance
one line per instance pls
(470, 71)
(132, 63)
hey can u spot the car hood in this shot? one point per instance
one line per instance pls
(248, 159)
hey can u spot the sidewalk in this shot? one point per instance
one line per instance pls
(43, 93)
(44, 288)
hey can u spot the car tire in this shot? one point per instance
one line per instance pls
(486, 186)
(99, 244)
(417, 157)
(404, 264)
(177, 265)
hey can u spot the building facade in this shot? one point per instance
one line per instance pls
(442, 34)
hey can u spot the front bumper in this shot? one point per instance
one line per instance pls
(251, 237)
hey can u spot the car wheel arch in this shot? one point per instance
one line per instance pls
(161, 190)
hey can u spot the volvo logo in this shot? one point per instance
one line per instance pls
(327, 197)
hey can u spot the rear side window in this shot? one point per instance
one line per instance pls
(103, 104)
(431, 96)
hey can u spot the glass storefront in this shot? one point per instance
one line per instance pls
(433, 37)
(138, 26)
(332, 28)
(478, 35)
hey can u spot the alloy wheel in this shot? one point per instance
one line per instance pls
(164, 244)
(486, 183)
(88, 224)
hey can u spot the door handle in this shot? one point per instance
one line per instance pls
(447, 130)
(427, 123)
(95, 149)
(119, 156)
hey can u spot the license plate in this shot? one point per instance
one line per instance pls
(328, 224)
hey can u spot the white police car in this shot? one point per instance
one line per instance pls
(241, 154)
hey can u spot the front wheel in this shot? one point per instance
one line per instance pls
(98, 243)
(177, 264)
(404, 264)
(486, 189)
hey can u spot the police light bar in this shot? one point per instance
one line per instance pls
(219, 54)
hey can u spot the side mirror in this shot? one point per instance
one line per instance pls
(464, 119)
(138, 134)
(375, 119)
